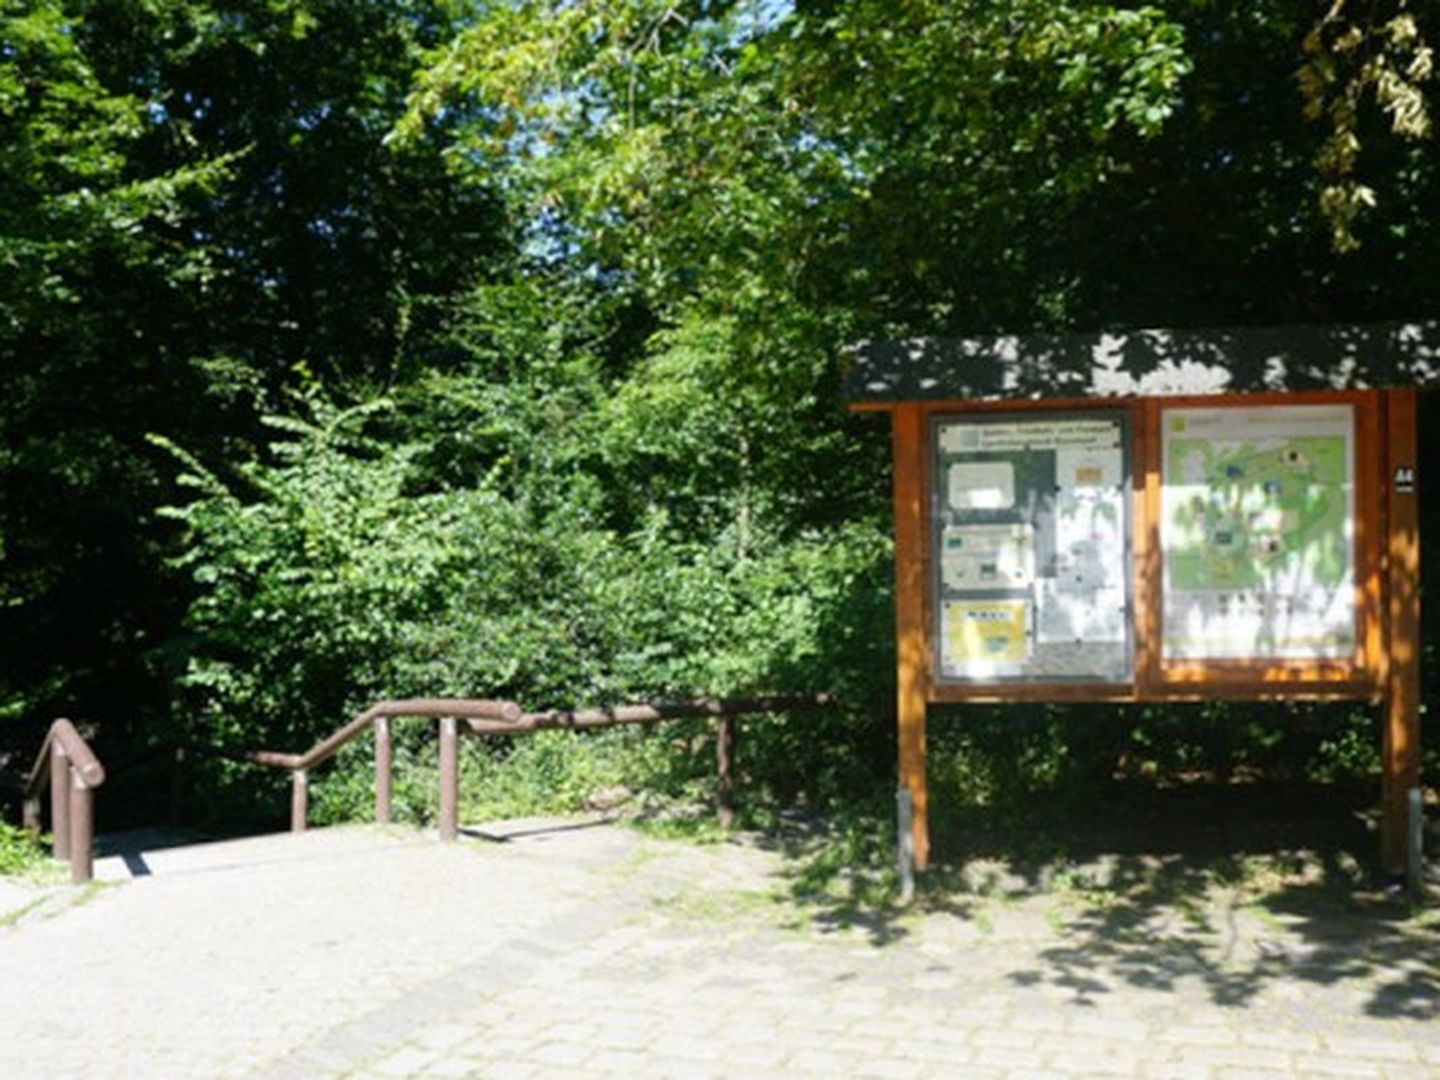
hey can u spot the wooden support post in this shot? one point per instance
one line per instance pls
(383, 764)
(908, 461)
(1145, 488)
(449, 779)
(1401, 737)
(299, 800)
(177, 786)
(59, 801)
(30, 816)
(82, 831)
(724, 768)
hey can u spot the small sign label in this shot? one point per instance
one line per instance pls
(1405, 479)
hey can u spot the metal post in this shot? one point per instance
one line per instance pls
(724, 764)
(59, 801)
(82, 831)
(383, 760)
(905, 837)
(299, 800)
(30, 816)
(449, 779)
(1415, 862)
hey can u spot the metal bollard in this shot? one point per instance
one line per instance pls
(1415, 862)
(905, 843)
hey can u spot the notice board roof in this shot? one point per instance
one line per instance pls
(1145, 363)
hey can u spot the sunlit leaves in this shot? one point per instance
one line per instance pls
(711, 147)
(1354, 53)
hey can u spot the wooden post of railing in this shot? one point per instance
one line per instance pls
(449, 779)
(59, 800)
(383, 762)
(299, 800)
(70, 767)
(82, 830)
(177, 786)
(724, 764)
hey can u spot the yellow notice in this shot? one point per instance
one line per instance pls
(985, 633)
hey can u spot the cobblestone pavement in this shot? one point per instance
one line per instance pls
(597, 951)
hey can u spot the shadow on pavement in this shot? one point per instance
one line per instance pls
(131, 845)
(1232, 888)
(506, 831)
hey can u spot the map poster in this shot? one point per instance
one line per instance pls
(1257, 532)
(1030, 539)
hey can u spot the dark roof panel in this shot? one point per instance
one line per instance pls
(1146, 363)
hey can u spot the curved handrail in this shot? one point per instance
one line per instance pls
(507, 712)
(449, 711)
(486, 717)
(573, 719)
(82, 759)
(72, 771)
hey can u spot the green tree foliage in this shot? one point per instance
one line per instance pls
(359, 562)
(468, 534)
(328, 250)
(86, 237)
(1357, 51)
(197, 211)
(544, 306)
(715, 150)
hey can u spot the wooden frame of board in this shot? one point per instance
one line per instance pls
(1383, 668)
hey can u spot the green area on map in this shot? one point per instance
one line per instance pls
(1257, 513)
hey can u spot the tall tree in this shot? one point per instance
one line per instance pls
(197, 213)
(88, 239)
(945, 167)
(639, 446)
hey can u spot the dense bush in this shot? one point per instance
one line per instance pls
(547, 538)
(21, 855)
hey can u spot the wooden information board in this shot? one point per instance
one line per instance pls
(1158, 549)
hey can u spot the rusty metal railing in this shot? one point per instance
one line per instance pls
(72, 771)
(447, 710)
(724, 710)
(506, 718)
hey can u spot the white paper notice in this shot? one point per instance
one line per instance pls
(1089, 470)
(1029, 540)
(979, 557)
(1089, 520)
(1032, 433)
(1076, 616)
(982, 485)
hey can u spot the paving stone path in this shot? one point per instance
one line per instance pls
(557, 950)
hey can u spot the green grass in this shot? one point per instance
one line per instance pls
(9, 919)
(723, 907)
